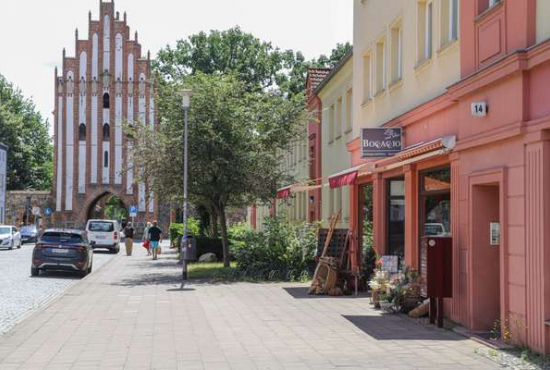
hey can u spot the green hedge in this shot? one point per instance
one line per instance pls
(176, 230)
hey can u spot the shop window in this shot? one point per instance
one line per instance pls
(449, 21)
(367, 78)
(424, 30)
(435, 202)
(381, 65)
(396, 52)
(484, 5)
(396, 218)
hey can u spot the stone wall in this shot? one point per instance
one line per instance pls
(16, 207)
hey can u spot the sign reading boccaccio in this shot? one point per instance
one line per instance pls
(380, 142)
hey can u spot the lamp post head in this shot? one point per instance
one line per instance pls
(186, 98)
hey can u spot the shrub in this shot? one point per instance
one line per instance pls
(176, 230)
(283, 251)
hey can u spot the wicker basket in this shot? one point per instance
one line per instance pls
(411, 301)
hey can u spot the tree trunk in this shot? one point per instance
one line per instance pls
(225, 238)
(214, 222)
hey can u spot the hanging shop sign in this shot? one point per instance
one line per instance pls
(380, 142)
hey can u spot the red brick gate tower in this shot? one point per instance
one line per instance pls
(104, 86)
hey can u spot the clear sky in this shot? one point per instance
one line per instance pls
(33, 33)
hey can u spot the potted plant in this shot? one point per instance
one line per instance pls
(386, 301)
(378, 284)
(412, 291)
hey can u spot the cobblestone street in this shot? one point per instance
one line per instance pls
(21, 294)
(132, 314)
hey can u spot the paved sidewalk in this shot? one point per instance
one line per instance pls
(132, 315)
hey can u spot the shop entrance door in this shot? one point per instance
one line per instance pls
(366, 218)
(396, 219)
(485, 249)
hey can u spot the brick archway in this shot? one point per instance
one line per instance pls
(98, 194)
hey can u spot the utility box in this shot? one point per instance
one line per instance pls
(189, 245)
(436, 266)
(439, 265)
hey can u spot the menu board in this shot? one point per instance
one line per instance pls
(390, 264)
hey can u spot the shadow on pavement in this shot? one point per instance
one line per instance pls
(392, 327)
(301, 293)
(53, 274)
(149, 279)
(180, 290)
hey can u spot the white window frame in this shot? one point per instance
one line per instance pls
(428, 31)
(399, 74)
(367, 72)
(453, 19)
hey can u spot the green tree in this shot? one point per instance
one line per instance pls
(235, 140)
(258, 64)
(336, 55)
(25, 132)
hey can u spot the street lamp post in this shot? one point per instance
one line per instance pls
(186, 102)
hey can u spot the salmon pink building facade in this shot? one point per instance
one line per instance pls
(475, 164)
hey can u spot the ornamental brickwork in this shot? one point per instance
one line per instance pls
(104, 86)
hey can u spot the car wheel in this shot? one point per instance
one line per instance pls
(35, 271)
(116, 250)
(83, 273)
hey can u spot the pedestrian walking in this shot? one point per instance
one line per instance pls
(129, 235)
(155, 237)
(146, 241)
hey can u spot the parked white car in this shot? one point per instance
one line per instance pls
(435, 229)
(10, 237)
(104, 234)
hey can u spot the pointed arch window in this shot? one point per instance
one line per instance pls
(106, 132)
(106, 101)
(106, 159)
(82, 132)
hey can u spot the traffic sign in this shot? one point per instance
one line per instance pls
(133, 211)
(48, 211)
(36, 211)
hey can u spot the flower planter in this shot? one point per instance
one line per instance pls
(386, 306)
(410, 302)
(376, 298)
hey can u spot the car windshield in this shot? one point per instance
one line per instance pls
(433, 229)
(5, 230)
(28, 229)
(61, 237)
(101, 226)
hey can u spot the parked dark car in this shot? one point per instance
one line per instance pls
(29, 234)
(66, 250)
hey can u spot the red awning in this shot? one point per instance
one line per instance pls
(283, 193)
(343, 180)
(346, 177)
